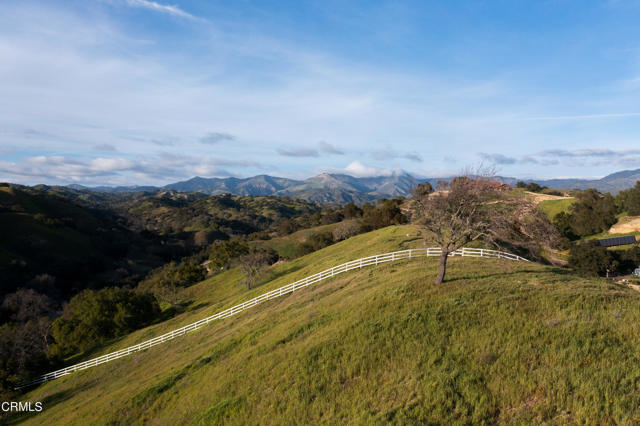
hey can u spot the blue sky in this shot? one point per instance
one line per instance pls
(150, 92)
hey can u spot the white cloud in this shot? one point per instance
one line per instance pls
(358, 169)
(163, 168)
(152, 5)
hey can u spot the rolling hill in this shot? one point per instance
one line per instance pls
(499, 342)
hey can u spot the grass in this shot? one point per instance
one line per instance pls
(499, 342)
(286, 245)
(553, 207)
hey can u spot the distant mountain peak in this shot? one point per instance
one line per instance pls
(341, 187)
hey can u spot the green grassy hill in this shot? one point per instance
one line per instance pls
(499, 342)
(553, 207)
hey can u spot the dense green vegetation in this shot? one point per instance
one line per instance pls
(500, 342)
(92, 317)
(591, 259)
(629, 200)
(590, 214)
(534, 187)
(57, 247)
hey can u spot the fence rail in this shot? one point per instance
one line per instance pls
(289, 288)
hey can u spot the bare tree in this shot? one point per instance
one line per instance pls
(253, 265)
(455, 215)
(474, 206)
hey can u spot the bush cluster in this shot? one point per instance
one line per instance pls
(91, 317)
(592, 213)
(591, 259)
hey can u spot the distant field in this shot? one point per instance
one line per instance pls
(499, 342)
(553, 207)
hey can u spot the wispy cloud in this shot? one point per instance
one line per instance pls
(163, 8)
(215, 137)
(597, 153)
(385, 155)
(578, 157)
(298, 152)
(105, 147)
(498, 158)
(582, 116)
(163, 142)
(329, 149)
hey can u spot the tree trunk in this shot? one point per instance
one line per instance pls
(443, 267)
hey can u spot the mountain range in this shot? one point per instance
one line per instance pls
(341, 188)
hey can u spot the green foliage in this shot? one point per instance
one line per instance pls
(629, 200)
(92, 317)
(531, 186)
(44, 232)
(592, 213)
(174, 274)
(590, 259)
(286, 227)
(171, 213)
(563, 222)
(385, 213)
(223, 253)
(316, 241)
(351, 211)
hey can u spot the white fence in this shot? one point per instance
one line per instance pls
(289, 288)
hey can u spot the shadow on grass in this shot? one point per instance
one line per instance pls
(286, 271)
(196, 306)
(557, 271)
(47, 402)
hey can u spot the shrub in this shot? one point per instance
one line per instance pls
(629, 200)
(592, 213)
(351, 211)
(590, 259)
(91, 317)
(385, 213)
(222, 254)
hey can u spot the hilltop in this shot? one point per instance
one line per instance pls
(499, 342)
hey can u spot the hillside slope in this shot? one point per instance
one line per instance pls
(498, 342)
